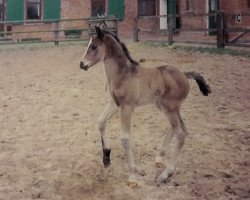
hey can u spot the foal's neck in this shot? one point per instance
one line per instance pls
(116, 62)
(113, 70)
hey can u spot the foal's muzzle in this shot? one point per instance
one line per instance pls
(84, 67)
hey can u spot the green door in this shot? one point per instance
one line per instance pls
(172, 9)
(116, 7)
(213, 7)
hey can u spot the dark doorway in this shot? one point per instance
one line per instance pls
(213, 7)
(2, 11)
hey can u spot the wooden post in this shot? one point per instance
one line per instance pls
(170, 29)
(220, 30)
(225, 29)
(136, 31)
(89, 29)
(56, 33)
(116, 26)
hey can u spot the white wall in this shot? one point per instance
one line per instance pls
(163, 11)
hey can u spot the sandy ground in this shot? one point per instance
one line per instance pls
(50, 147)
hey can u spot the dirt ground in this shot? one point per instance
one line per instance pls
(50, 147)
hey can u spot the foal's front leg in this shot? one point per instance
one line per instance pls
(126, 114)
(108, 112)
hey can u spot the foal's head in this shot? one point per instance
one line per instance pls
(102, 44)
(94, 52)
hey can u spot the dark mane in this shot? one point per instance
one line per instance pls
(124, 48)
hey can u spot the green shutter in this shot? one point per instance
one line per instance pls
(172, 10)
(171, 7)
(116, 7)
(52, 9)
(15, 10)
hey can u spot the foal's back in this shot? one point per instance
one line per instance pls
(164, 83)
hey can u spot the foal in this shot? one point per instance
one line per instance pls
(131, 85)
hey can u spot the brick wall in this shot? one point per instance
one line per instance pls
(75, 9)
(69, 9)
(126, 26)
(239, 5)
(233, 7)
(198, 6)
(33, 27)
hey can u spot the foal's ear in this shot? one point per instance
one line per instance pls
(99, 32)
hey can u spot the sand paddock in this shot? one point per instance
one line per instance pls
(50, 147)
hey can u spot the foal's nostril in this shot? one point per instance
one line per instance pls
(84, 67)
(81, 65)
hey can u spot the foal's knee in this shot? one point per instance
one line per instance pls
(101, 124)
(125, 142)
(180, 136)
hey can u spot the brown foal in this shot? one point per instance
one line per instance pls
(131, 85)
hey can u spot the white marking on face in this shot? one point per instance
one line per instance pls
(83, 59)
(90, 42)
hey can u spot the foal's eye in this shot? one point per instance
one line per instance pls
(93, 47)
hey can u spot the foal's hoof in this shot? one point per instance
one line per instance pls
(132, 183)
(106, 157)
(106, 164)
(161, 179)
(164, 177)
(159, 162)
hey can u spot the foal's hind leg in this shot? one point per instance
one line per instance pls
(108, 112)
(179, 130)
(163, 148)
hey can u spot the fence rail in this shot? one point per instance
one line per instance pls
(55, 28)
(221, 29)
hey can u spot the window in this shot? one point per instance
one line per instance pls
(97, 7)
(147, 7)
(214, 6)
(189, 5)
(33, 9)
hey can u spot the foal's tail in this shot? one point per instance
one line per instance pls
(204, 87)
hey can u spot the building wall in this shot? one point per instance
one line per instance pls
(33, 27)
(126, 26)
(74, 9)
(233, 7)
(79, 9)
(82, 9)
(198, 6)
(201, 6)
